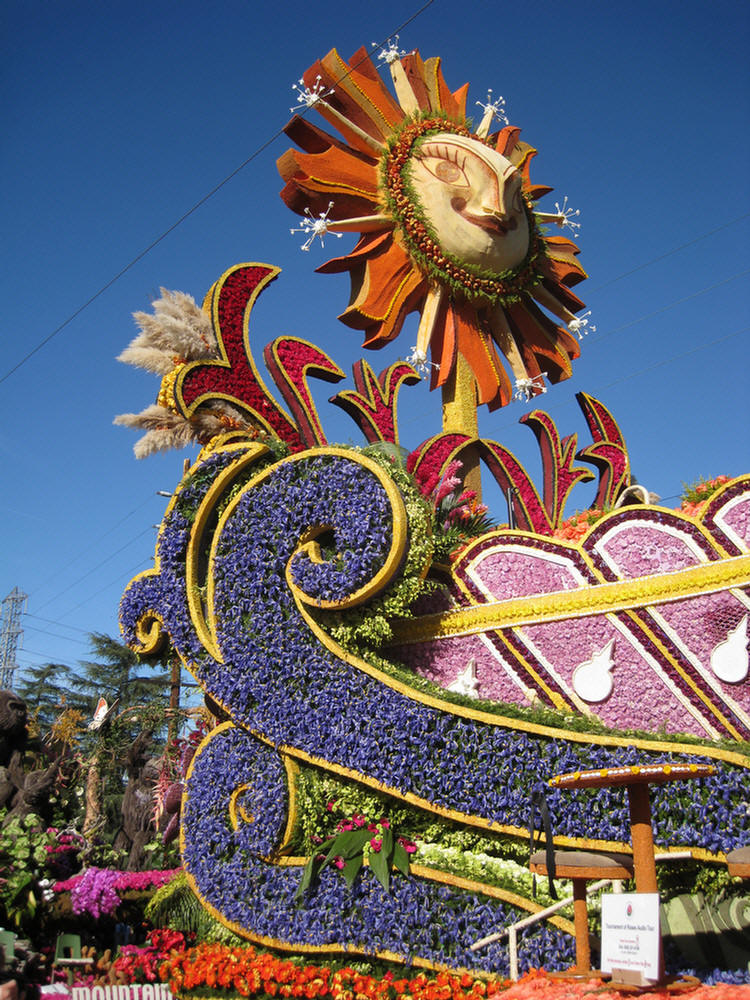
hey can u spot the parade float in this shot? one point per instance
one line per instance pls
(394, 674)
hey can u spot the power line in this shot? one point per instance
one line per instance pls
(669, 253)
(676, 357)
(54, 635)
(186, 215)
(95, 542)
(98, 566)
(51, 621)
(139, 567)
(670, 305)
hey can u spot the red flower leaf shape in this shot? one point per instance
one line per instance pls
(608, 452)
(290, 360)
(234, 377)
(559, 475)
(373, 405)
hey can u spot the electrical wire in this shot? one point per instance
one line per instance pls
(51, 621)
(186, 215)
(668, 253)
(677, 302)
(128, 575)
(80, 553)
(95, 568)
(53, 635)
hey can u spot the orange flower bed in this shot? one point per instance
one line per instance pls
(574, 528)
(250, 973)
(698, 495)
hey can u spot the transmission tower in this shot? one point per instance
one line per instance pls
(11, 632)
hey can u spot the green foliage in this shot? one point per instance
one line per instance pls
(686, 876)
(324, 799)
(45, 689)
(354, 843)
(23, 853)
(176, 906)
(161, 856)
(115, 674)
(451, 537)
(488, 869)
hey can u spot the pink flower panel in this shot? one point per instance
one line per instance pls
(642, 693)
(499, 677)
(643, 547)
(519, 567)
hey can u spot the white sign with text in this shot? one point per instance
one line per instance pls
(631, 934)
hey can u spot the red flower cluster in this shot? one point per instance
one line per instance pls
(141, 965)
(574, 528)
(252, 973)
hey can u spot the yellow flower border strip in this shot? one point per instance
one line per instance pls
(596, 599)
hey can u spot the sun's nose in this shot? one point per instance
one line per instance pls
(494, 201)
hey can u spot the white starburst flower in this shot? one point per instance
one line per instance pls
(418, 360)
(525, 388)
(579, 325)
(390, 53)
(565, 216)
(315, 228)
(308, 97)
(495, 109)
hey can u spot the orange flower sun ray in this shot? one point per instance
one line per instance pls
(355, 184)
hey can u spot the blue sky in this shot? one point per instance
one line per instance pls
(118, 118)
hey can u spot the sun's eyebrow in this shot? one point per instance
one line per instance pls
(443, 150)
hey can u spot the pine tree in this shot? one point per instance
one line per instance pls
(46, 691)
(117, 675)
(139, 697)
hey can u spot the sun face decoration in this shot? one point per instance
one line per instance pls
(471, 196)
(447, 222)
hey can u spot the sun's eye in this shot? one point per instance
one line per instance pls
(444, 162)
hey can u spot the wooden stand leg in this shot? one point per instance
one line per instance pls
(581, 924)
(643, 839)
(644, 865)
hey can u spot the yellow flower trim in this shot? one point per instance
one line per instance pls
(166, 396)
(600, 599)
(237, 812)
(204, 623)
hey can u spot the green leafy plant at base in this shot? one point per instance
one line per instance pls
(176, 906)
(441, 843)
(323, 797)
(23, 854)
